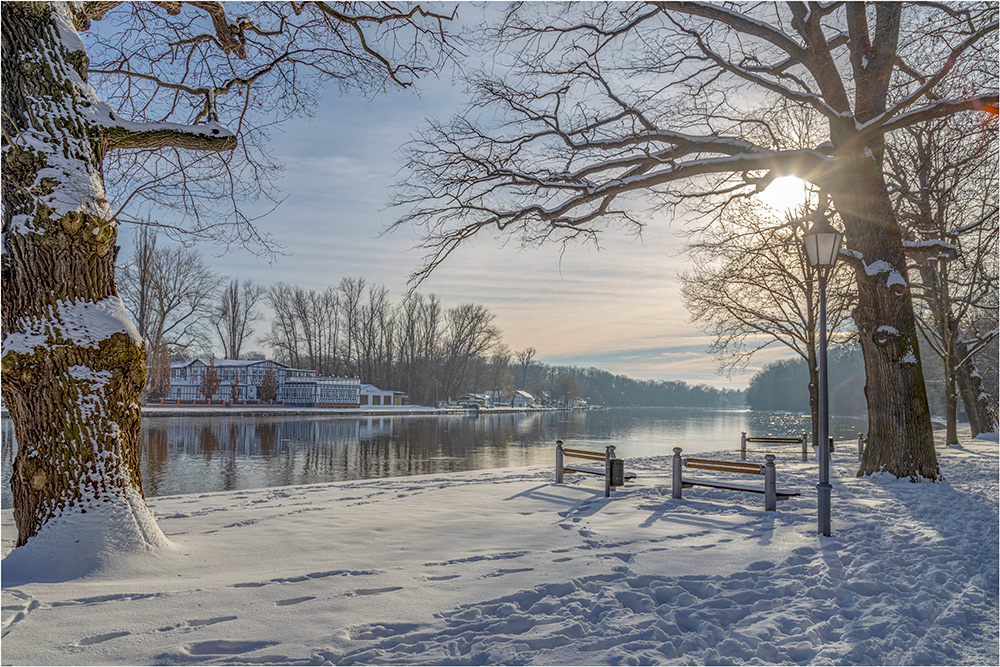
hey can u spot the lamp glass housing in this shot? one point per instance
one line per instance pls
(822, 243)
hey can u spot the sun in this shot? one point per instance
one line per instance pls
(784, 194)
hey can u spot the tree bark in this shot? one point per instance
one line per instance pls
(900, 435)
(73, 363)
(980, 407)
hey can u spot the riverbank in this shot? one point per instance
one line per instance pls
(504, 567)
(367, 411)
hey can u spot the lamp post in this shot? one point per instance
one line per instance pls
(822, 243)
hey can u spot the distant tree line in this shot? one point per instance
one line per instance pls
(353, 328)
(779, 386)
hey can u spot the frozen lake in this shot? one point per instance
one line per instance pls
(196, 454)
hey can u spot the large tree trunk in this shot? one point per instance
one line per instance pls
(73, 363)
(900, 435)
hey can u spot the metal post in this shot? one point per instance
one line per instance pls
(675, 482)
(743, 446)
(832, 448)
(805, 446)
(770, 485)
(559, 462)
(861, 445)
(823, 488)
(609, 453)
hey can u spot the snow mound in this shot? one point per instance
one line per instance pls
(105, 540)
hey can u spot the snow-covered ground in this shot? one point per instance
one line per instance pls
(503, 566)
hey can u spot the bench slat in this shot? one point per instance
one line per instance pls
(724, 466)
(781, 495)
(582, 453)
(583, 470)
(720, 462)
(795, 440)
(742, 471)
(628, 475)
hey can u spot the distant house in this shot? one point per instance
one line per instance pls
(474, 399)
(296, 386)
(522, 399)
(372, 395)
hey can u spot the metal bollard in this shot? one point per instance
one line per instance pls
(770, 485)
(609, 453)
(743, 446)
(861, 445)
(675, 482)
(805, 446)
(832, 449)
(559, 461)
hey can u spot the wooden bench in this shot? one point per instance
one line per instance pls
(613, 470)
(773, 441)
(770, 491)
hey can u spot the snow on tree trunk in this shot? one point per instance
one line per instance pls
(73, 363)
(900, 435)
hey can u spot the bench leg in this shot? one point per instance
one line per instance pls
(770, 485)
(676, 483)
(609, 453)
(559, 462)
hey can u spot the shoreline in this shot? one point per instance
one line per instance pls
(367, 411)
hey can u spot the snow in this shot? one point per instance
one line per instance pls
(879, 266)
(505, 567)
(83, 323)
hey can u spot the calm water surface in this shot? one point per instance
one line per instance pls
(195, 454)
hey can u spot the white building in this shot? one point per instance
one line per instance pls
(372, 395)
(295, 386)
(522, 399)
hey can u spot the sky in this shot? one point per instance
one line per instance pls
(617, 308)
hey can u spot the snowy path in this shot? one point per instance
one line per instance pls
(503, 566)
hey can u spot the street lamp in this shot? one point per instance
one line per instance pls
(822, 243)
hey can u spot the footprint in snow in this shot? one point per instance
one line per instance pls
(225, 647)
(290, 601)
(99, 639)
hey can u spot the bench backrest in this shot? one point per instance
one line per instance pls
(776, 440)
(725, 466)
(583, 454)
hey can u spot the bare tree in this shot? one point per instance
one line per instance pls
(285, 334)
(470, 334)
(417, 341)
(349, 298)
(168, 290)
(211, 382)
(236, 314)
(159, 373)
(751, 288)
(524, 358)
(501, 379)
(607, 103)
(943, 178)
(169, 74)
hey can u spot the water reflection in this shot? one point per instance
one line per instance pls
(196, 454)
